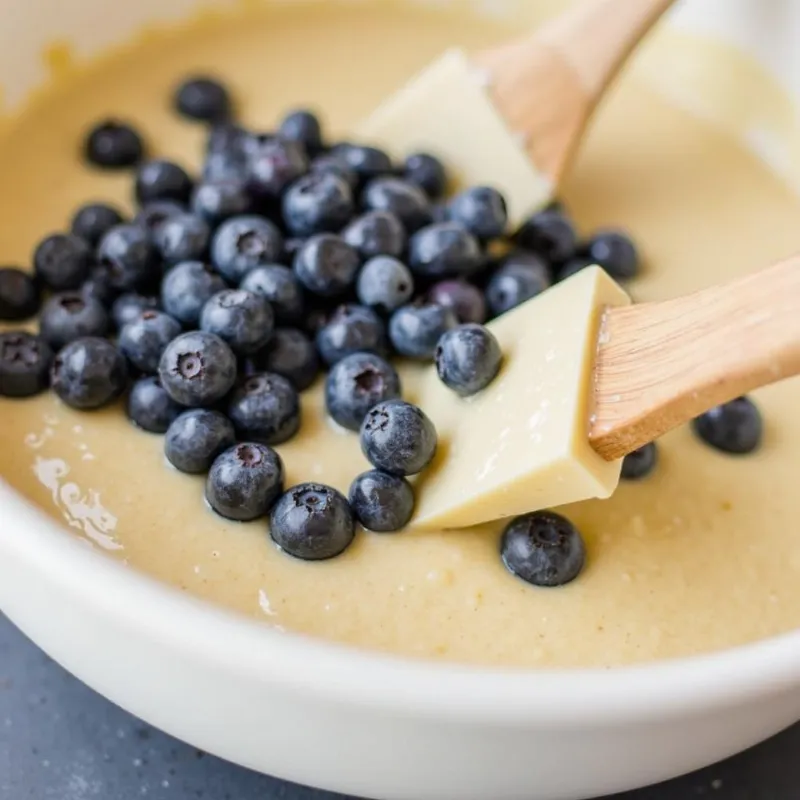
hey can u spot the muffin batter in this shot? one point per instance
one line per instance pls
(702, 555)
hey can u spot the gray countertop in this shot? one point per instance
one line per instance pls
(60, 740)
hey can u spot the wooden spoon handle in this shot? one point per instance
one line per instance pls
(661, 364)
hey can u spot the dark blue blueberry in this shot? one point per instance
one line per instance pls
(68, 316)
(381, 502)
(640, 463)
(19, 295)
(312, 522)
(92, 221)
(415, 329)
(316, 203)
(427, 172)
(89, 373)
(98, 286)
(226, 137)
(444, 249)
(226, 167)
(62, 261)
(280, 287)
(733, 427)
(203, 98)
(326, 265)
(273, 165)
(351, 329)
(367, 162)
(384, 283)
(265, 408)
(468, 359)
(400, 197)
(543, 548)
(572, 267)
(25, 362)
(481, 210)
(242, 319)
(182, 237)
(197, 369)
(216, 201)
(302, 126)
(615, 252)
(186, 288)
(440, 212)
(465, 299)
(245, 481)
(357, 383)
(398, 438)
(129, 256)
(376, 233)
(335, 165)
(520, 277)
(196, 438)
(549, 234)
(162, 180)
(243, 243)
(153, 215)
(113, 144)
(144, 339)
(150, 407)
(289, 353)
(128, 307)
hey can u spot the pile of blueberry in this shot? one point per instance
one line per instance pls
(227, 293)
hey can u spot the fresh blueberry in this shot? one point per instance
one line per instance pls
(98, 286)
(468, 359)
(25, 362)
(280, 287)
(385, 284)
(427, 172)
(68, 316)
(481, 210)
(197, 369)
(335, 165)
(640, 463)
(89, 373)
(326, 265)
(444, 249)
(400, 197)
(226, 167)
(316, 317)
(244, 243)
(572, 267)
(92, 221)
(367, 162)
(302, 126)
(162, 180)
(520, 277)
(351, 329)
(186, 288)
(273, 165)
(398, 438)
(225, 137)
(129, 256)
(128, 307)
(550, 235)
(203, 98)
(289, 353)
(144, 339)
(543, 548)
(733, 427)
(242, 319)
(615, 252)
(357, 383)
(183, 237)
(440, 212)
(19, 295)
(415, 329)
(312, 522)
(219, 200)
(316, 203)
(150, 407)
(465, 299)
(62, 261)
(381, 502)
(196, 438)
(245, 481)
(113, 144)
(376, 233)
(153, 215)
(265, 408)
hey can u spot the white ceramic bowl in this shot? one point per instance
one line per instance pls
(368, 724)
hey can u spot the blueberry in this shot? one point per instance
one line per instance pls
(244, 243)
(225, 137)
(398, 438)
(302, 126)
(351, 329)
(444, 249)
(226, 167)
(615, 252)
(415, 329)
(186, 288)
(162, 180)
(99, 286)
(245, 481)
(367, 162)
(357, 383)
(289, 353)
(640, 463)
(197, 369)
(219, 200)
(316, 203)
(25, 362)
(312, 522)
(520, 277)
(427, 172)
(273, 165)
(242, 319)
(62, 261)
(153, 215)
(89, 373)
(280, 287)
(182, 237)
(465, 299)
(130, 258)
(150, 407)
(481, 210)
(543, 548)
(128, 307)
(335, 165)
(468, 359)
(196, 438)
(203, 98)
(572, 267)
(550, 235)
(733, 427)
(143, 340)
(440, 212)
(92, 221)
(113, 144)
(385, 284)
(19, 294)
(68, 316)
(326, 265)
(376, 233)
(265, 408)
(400, 197)
(381, 502)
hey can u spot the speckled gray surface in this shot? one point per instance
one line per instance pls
(61, 741)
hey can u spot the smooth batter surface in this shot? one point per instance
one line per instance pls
(704, 555)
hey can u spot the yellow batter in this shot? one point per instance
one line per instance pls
(704, 555)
